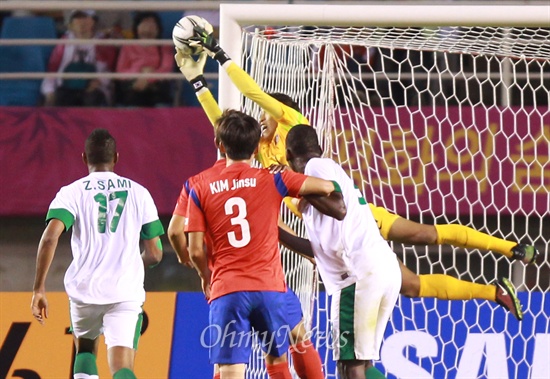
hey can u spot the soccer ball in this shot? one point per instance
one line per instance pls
(183, 30)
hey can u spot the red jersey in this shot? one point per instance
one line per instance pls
(181, 205)
(239, 210)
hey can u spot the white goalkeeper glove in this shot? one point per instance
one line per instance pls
(209, 43)
(192, 69)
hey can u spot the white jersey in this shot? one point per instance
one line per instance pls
(109, 214)
(345, 251)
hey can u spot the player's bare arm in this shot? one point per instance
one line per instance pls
(152, 253)
(178, 240)
(332, 205)
(324, 195)
(46, 252)
(297, 244)
(200, 260)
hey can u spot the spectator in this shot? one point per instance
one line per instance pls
(82, 58)
(145, 59)
(115, 24)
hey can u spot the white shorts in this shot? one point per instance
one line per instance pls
(361, 311)
(119, 322)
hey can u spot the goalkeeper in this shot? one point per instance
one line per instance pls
(279, 119)
(281, 113)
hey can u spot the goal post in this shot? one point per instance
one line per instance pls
(440, 113)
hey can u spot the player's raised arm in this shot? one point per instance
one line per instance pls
(193, 71)
(244, 82)
(325, 195)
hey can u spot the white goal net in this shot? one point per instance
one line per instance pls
(441, 124)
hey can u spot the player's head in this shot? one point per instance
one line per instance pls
(302, 144)
(100, 149)
(238, 133)
(269, 124)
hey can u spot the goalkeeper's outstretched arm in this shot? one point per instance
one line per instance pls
(246, 85)
(193, 70)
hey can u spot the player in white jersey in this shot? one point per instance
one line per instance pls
(109, 215)
(359, 270)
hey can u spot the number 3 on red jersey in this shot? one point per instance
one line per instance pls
(236, 206)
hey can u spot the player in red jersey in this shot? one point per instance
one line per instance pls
(239, 210)
(305, 358)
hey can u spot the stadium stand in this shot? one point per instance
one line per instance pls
(25, 92)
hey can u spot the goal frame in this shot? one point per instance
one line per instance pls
(233, 16)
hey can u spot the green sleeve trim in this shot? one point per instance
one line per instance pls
(152, 230)
(336, 186)
(62, 215)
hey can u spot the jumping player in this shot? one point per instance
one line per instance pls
(344, 251)
(246, 285)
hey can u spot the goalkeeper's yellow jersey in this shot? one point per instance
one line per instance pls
(273, 152)
(269, 153)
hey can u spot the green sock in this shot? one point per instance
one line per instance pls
(373, 373)
(124, 373)
(85, 363)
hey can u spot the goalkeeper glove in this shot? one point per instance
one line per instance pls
(191, 69)
(208, 43)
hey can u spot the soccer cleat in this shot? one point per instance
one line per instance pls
(506, 297)
(528, 254)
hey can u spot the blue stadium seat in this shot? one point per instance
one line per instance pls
(24, 92)
(39, 27)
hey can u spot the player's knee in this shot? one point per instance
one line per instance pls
(425, 235)
(298, 334)
(410, 287)
(273, 360)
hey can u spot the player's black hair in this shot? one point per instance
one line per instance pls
(239, 133)
(302, 140)
(100, 147)
(286, 100)
(140, 16)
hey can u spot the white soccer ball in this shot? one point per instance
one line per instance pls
(183, 30)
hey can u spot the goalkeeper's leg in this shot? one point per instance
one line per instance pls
(446, 287)
(443, 287)
(410, 232)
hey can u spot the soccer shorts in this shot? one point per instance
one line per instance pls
(361, 311)
(294, 313)
(293, 309)
(120, 322)
(232, 318)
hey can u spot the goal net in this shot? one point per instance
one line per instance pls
(444, 123)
